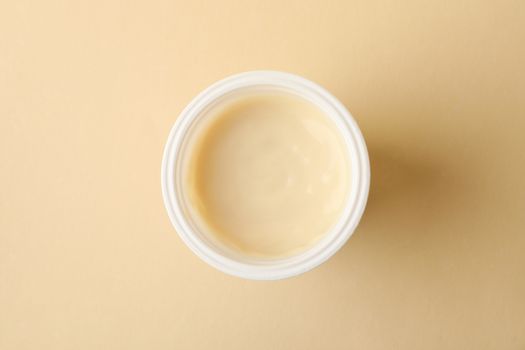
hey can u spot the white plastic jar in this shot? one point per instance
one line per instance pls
(177, 151)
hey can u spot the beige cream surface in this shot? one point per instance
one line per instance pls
(90, 89)
(269, 175)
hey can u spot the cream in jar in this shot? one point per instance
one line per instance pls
(268, 176)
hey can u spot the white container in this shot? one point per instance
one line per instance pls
(178, 207)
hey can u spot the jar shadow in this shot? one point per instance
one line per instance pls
(409, 194)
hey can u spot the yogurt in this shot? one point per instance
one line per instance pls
(269, 175)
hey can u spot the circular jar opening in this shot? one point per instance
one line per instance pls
(265, 175)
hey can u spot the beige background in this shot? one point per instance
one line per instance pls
(90, 89)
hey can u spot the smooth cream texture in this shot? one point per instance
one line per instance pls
(269, 174)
